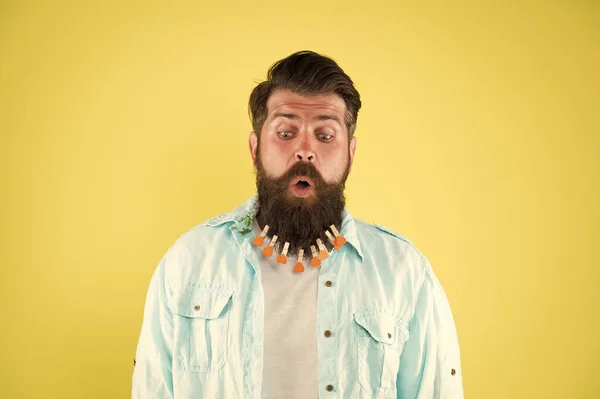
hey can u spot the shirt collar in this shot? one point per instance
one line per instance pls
(243, 216)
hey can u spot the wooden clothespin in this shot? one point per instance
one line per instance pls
(268, 250)
(323, 254)
(260, 240)
(315, 261)
(282, 258)
(299, 267)
(339, 240)
(330, 237)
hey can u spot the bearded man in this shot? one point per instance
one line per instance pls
(289, 296)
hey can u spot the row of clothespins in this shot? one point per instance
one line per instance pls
(336, 239)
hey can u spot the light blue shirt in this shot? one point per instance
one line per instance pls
(390, 329)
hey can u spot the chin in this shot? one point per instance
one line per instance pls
(300, 202)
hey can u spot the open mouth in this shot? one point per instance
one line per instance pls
(302, 186)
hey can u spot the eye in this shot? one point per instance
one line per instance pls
(324, 137)
(285, 135)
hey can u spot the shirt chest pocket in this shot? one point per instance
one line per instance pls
(201, 328)
(380, 340)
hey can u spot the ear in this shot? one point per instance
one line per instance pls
(352, 150)
(253, 146)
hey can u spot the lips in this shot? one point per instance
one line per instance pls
(303, 181)
(302, 186)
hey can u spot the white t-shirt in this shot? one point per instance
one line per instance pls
(290, 346)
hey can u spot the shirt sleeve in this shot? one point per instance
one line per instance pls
(152, 374)
(430, 362)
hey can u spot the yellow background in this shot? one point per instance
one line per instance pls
(123, 125)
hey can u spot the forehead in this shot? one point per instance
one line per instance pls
(281, 100)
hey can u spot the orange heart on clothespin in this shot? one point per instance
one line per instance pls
(268, 250)
(282, 258)
(339, 240)
(299, 267)
(260, 240)
(315, 261)
(323, 254)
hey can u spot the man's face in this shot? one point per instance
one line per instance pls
(302, 163)
(302, 128)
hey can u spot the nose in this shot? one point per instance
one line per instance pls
(305, 156)
(304, 152)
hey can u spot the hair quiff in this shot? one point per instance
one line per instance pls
(307, 73)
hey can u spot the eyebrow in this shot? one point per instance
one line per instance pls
(319, 117)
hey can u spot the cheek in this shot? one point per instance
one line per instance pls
(272, 160)
(334, 169)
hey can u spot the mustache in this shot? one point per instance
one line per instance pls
(303, 169)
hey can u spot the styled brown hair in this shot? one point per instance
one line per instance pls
(307, 73)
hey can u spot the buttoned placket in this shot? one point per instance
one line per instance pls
(327, 320)
(327, 317)
(252, 344)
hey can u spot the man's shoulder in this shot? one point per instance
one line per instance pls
(210, 234)
(198, 242)
(376, 231)
(209, 228)
(376, 237)
(379, 230)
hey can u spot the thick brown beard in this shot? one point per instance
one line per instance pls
(295, 220)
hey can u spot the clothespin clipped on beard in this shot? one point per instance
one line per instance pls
(268, 250)
(260, 240)
(282, 258)
(299, 267)
(323, 254)
(330, 237)
(315, 261)
(339, 240)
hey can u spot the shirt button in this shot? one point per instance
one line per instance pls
(329, 388)
(328, 283)
(327, 333)
(197, 308)
(453, 372)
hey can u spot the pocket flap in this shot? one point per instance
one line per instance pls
(200, 301)
(384, 328)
